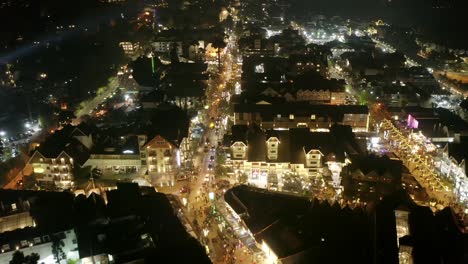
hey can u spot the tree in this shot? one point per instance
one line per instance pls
(243, 178)
(219, 44)
(57, 251)
(20, 258)
(220, 171)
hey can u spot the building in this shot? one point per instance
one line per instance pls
(371, 177)
(289, 229)
(32, 240)
(129, 48)
(153, 99)
(314, 88)
(418, 76)
(452, 164)
(298, 114)
(137, 225)
(31, 220)
(266, 157)
(309, 63)
(116, 158)
(15, 214)
(63, 151)
(338, 48)
(163, 45)
(161, 156)
(257, 46)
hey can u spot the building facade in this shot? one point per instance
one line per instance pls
(266, 161)
(293, 115)
(41, 243)
(57, 170)
(161, 157)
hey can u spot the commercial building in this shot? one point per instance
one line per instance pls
(129, 48)
(297, 114)
(161, 156)
(116, 158)
(266, 157)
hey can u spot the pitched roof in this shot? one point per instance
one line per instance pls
(298, 108)
(295, 143)
(239, 133)
(63, 141)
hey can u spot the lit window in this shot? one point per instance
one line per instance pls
(291, 116)
(312, 117)
(278, 116)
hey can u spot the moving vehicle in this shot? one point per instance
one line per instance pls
(207, 178)
(184, 189)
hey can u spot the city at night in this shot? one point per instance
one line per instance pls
(233, 132)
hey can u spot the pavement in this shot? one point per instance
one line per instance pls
(25, 172)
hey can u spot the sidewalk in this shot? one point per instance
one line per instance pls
(26, 171)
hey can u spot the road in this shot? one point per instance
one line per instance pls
(89, 106)
(27, 170)
(222, 244)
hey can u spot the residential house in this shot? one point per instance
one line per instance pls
(55, 159)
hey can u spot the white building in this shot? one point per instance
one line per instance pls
(30, 241)
(54, 160)
(129, 48)
(266, 157)
(165, 46)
